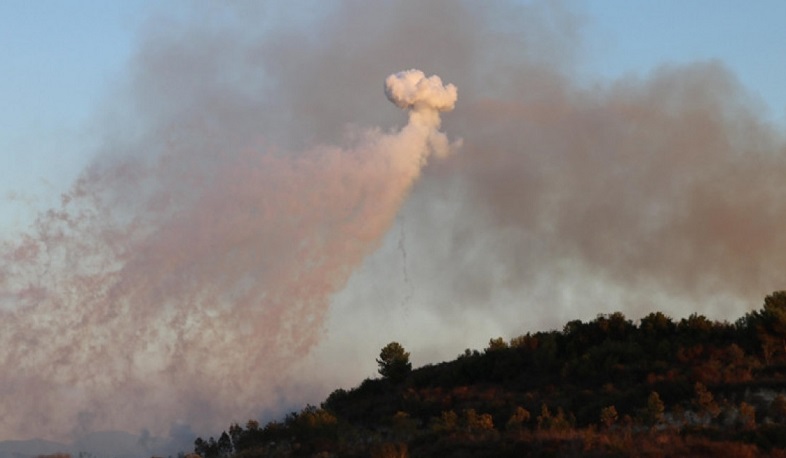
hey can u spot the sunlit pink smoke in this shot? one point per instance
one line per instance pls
(137, 304)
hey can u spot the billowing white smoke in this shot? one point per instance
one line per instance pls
(412, 89)
(425, 98)
(162, 292)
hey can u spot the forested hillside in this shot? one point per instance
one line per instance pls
(606, 387)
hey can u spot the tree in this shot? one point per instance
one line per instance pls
(773, 327)
(394, 362)
(657, 334)
(653, 413)
(544, 419)
(608, 416)
(206, 448)
(558, 422)
(214, 449)
(474, 421)
(708, 408)
(518, 419)
(224, 444)
(767, 326)
(747, 415)
(778, 409)
(447, 422)
(404, 426)
(496, 344)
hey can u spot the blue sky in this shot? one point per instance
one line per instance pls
(633, 37)
(60, 59)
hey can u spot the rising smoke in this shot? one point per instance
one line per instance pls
(193, 263)
(159, 288)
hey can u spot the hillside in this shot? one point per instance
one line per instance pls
(607, 387)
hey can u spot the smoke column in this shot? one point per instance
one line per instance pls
(136, 298)
(571, 196)
(193, 261)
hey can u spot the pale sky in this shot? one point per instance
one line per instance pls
(602, 156)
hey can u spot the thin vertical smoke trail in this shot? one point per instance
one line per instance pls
(177, 297)
(402, 247)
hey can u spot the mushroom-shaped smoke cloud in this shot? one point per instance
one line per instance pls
(425, 97)
(412, 89)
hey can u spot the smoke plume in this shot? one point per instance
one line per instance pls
(218, 259)
(159, 288)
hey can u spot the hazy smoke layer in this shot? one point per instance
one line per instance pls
(193, 262)
(158, 288)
